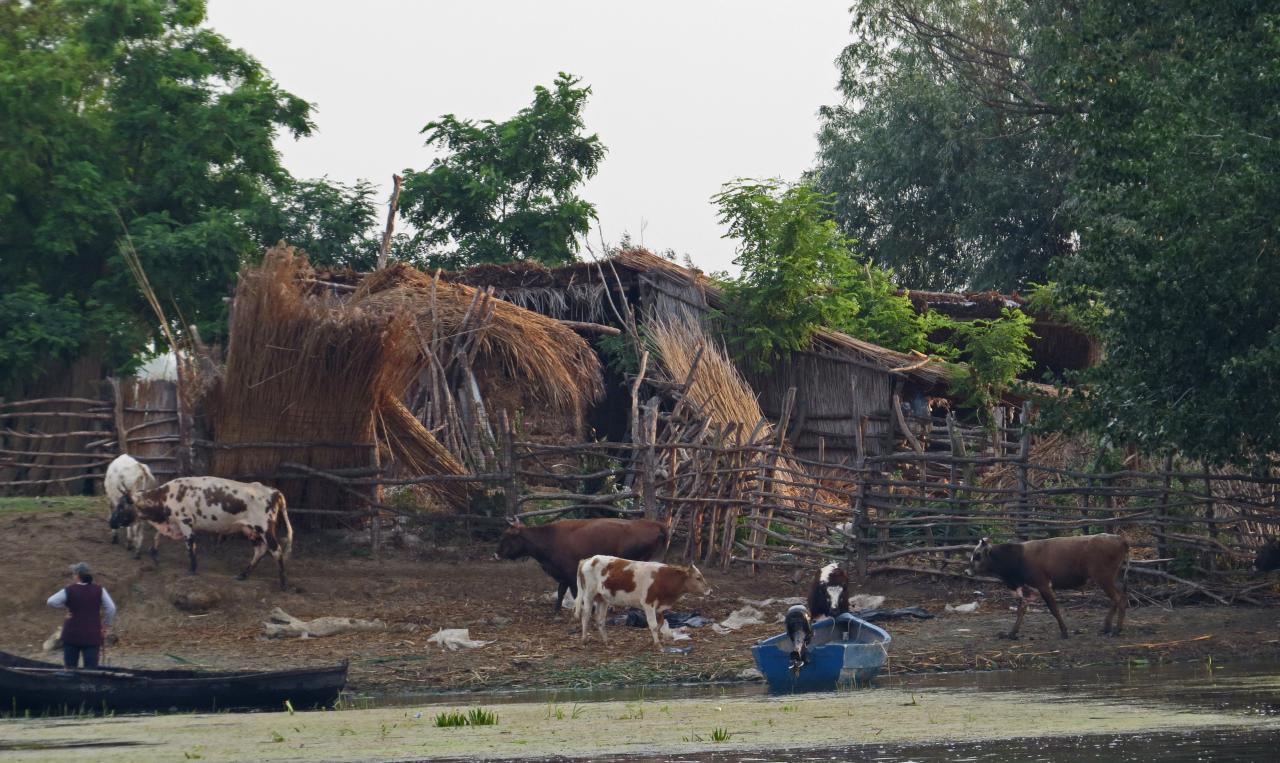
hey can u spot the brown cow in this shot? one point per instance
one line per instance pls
(558, 546)
(1057, 563)
(652, 586)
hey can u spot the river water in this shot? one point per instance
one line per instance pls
(1245, 689)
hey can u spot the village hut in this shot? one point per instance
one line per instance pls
(1058, 346)
(322, 376)
(845, 387)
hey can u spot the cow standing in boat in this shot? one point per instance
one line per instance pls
(187, 505)
(558, 547)
(127, 475)
(651, 586)
(829, 594)
(1055, 564)
(800, 630)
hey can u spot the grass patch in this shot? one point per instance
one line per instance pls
(647, 669)
(720, 734)
(476, 716)
(52, 505)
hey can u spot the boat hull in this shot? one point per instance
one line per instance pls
(833, 662)
(39, 688)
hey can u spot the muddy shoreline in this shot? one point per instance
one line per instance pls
(423, 587)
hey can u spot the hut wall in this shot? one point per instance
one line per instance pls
(832, 396)
(150, 415)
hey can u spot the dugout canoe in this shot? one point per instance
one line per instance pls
(43, 688)
(845, 652)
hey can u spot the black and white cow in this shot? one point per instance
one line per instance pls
(800, 630)
(187, 505)
(127, 475)
(829, 594)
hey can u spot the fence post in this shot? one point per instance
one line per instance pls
(1210, 509)
(1024, 453)
(861, 537)
(122, 432)
(649, 460)
(511, 482)
(1162, 511)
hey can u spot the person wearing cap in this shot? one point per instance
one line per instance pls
(86, 625)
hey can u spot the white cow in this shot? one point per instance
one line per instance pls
(181, 507)
(127, 475)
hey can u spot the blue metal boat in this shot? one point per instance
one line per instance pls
(845, 652)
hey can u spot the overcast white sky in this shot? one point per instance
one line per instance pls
(685, 95)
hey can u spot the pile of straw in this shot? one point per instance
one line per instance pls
(551, 363)
(314, 370)
(717, 387)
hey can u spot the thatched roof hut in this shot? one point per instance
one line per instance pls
(843, 383)
(1059, 346)
(317, 376)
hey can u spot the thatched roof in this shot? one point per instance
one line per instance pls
(547, 359)
(562, 292)
(1058, 345)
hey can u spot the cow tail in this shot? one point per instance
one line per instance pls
(284, 529)
(582, 590)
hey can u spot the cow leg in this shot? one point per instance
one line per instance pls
(1119, 601)
(560, 589)
(259, 548)
(655, 627)
(1051, 601)
(1022, 610)
(191, 552)
(601, 610)
(585, 611)
(155, 548)
(277, 551)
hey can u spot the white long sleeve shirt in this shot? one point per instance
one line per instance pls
(59, 601)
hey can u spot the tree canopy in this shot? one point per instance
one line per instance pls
(946, 174)
(507, 191)
(123, 115)
(1177, 189)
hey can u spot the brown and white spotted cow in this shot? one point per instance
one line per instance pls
(654, 587)
(187, 505)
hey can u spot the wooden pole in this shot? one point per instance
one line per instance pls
(1162, 511)
(385, 250)
(511, 481)
(1024, 453)
(122, 432)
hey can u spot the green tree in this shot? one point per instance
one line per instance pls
(1177, 193)
(799, 273)
(120, 114)
(335, 224)
(507, 191)
(939, 159)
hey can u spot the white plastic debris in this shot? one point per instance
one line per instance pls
(864, 601)
(54, 641)
(284, 625)
(567, 602)
(737, 619)
(789, 601)
(963, 609)
(454, 639)
(675, 634)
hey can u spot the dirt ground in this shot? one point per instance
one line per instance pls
(419, 589)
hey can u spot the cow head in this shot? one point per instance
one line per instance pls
(512, 544)
(695, 583)
(980, 559)
(1268, 557)
(125, 512)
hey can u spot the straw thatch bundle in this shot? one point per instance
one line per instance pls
(551, 363)
(717, 387)
(314, 370)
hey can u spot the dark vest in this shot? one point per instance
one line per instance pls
(83, 626)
